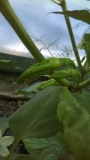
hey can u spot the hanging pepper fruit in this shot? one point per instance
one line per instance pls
(47, 66)
(76, 123)
(68, 73)
(61, 75)
(45, 84)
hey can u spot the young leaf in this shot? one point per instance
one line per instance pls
(82, 15)
(37, 118)
(55, 145)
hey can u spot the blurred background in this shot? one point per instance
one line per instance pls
(48, 31)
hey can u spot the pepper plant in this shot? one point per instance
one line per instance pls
(62, 106)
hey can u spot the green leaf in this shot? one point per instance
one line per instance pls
(31, 88)
(76, 122)
(4, 124)
(8, 63)
(54, 146)
(83, 100)
(82, 15)
(37, 118)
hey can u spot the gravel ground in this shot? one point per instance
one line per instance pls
(8, 107)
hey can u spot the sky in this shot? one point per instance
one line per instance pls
(40, 25)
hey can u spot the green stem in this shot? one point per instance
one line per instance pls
(15, 23)
(12, 150)
(84, 84)
(64, 8)
(63, 82)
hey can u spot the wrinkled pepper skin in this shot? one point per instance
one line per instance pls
(76, 122)
(47, 66)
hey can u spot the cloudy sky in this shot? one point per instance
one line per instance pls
(39, 24)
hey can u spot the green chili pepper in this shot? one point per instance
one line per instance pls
(45, 84)
(68, 73)
(76, 123)
(67, 61)
(44, 67)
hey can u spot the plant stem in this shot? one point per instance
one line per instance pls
(63, 82)
(15, 23)
(12, 150)
(84, 84)
(64, 8)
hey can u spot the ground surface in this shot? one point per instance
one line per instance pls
(9, 101)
